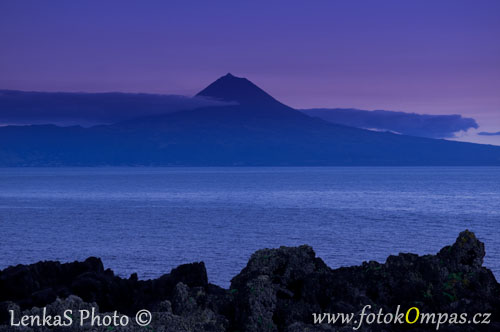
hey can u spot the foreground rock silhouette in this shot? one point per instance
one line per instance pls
(278, 290)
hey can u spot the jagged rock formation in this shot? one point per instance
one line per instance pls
(278, 290)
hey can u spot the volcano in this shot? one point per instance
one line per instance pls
(239, 90)
(250, 128)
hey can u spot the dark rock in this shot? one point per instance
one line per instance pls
(278, 290)
(289, 284)
(193, 275)
(41, 283)
(467, 250)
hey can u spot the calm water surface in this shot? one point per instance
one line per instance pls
(149, 220)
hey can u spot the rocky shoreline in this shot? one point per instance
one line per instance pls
(278, 290)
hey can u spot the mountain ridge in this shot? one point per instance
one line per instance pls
(89, 109)
(257, 130)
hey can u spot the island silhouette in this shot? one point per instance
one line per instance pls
(245, 126)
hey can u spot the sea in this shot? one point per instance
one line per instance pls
(150, 220)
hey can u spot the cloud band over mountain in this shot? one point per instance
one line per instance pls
(425, 125)
(63, 108)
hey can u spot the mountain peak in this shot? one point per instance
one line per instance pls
(231, 88)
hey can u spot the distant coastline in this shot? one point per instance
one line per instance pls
(242, 126)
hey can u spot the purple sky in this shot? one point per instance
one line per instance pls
(417, 56)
